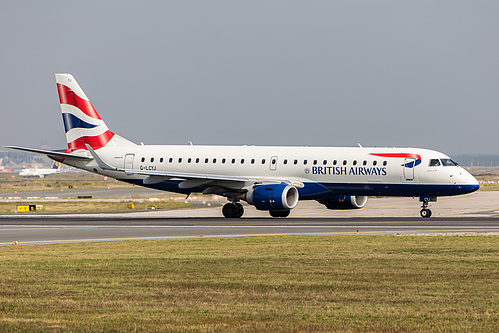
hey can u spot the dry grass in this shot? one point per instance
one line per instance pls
(302, 284)
(10, 183)
(76, 206)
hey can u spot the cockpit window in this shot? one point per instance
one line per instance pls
(448, 162)
(434, 162)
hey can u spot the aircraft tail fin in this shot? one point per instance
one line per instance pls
(55, 166)
(82, 123)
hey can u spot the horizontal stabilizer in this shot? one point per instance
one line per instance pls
(55, 155)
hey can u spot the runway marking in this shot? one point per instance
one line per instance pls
(372, 232)
(226, 236)
(45, 228)
(39, 227)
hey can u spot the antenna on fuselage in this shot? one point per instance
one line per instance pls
(360, 145)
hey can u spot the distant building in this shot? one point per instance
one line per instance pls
(470, 160)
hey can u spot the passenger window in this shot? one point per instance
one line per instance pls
(233, 161)
(375, 162)
(385, 163)
(354, 162)
(242, 160)
(285, 161)
(223, 160)
(189, 160)
(434, 162)
(295, 162)
(364, 163)
(252, 161)
(344, 162)
(214, 160)
(197, 160)
(305, 162)
(152, 159)
(170, 160)
(335, 162)
(161, 160)
(324, 162)
(263, 161)
(274, 161)
(143, 159)
(180, 160)
(315, 162)
(206, 160)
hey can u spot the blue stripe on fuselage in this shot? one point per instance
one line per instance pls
(399, 190)
(315, 191)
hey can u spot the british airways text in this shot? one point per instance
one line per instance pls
(343, 171)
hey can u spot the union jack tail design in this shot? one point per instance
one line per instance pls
(82, 123)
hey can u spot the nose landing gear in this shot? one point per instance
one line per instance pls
(425, 212)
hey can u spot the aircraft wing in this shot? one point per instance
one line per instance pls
(191, 179)
(195, 179)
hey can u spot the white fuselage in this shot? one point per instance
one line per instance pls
(38, 172)
(342, 171)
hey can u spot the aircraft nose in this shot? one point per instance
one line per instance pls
(470, 184)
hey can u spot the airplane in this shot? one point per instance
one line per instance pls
(271, 178)
(2, 167)
(42, 172)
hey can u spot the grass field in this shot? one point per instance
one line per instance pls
(70, 180)
(286, 284)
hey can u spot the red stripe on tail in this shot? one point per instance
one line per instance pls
(67, 96)
(95, 142)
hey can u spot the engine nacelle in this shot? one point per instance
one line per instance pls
(273, 197)
(344, 202)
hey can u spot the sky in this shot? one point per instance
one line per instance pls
(304, 73)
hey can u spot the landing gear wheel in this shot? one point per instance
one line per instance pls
(279, 213)
(240, 209)
(232, 210)
(425, 213)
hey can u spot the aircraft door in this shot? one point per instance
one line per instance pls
(273, 163)
(409, 164)
(129, 161)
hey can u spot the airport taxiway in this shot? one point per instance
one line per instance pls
(470, 214)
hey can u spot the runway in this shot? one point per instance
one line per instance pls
(68, 229)
(475, 213)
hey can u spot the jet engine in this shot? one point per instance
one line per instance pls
(273, 197)
(344, 202)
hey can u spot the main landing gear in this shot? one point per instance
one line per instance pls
(233, 210)
(425, 212)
